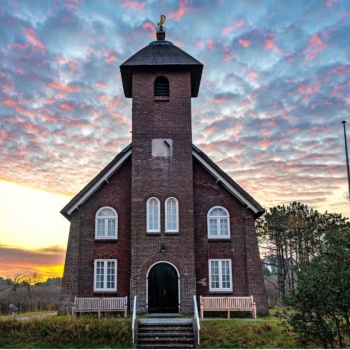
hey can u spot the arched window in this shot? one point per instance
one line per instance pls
(171, 215)
(153, 215)
(161, 87)
(106, 224)
(218, 223)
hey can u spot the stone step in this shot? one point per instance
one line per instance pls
(166, 346)
(165, 334)
(163, 316)
(165, 328)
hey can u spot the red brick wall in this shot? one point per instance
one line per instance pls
(162, 178)
(83, 248)
(242, 248)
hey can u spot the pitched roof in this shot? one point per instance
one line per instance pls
(96, 182)
(161, 53)
(228, 182)
(199, 155)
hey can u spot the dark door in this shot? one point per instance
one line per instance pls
(163, 289)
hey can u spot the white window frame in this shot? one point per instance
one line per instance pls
(176, 230)
(106, 218)
(148, 229)
(105, 280)
(218, 218)
(220, 288)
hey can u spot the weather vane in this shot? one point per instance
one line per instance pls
(160, 28)
(162, 20)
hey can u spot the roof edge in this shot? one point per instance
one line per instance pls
(228, 182)
(96, 182)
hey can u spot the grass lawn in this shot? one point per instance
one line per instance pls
(88, 332)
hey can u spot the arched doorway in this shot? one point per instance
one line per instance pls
(163, 289)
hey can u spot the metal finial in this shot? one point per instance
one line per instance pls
(160, 28)
(162, 20)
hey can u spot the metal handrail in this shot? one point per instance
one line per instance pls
(196, 316)
(133, 320)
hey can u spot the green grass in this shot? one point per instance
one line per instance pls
(65, 332)
(89, 332)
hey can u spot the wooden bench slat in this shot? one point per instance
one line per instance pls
(227, 304)
(100, 305)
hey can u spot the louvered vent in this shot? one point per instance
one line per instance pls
(161, 87)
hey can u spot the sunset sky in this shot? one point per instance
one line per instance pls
(274, 91)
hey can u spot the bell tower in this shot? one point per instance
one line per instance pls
(161, 79)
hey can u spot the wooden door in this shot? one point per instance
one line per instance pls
(163, 289)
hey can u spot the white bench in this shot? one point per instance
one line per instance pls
(100, 305)
(227, 304)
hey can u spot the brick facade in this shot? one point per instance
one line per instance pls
(162, 177)
(146, 173)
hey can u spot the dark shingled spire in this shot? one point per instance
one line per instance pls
(161, 53)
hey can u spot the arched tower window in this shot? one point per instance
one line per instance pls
(161, 86)
(153, 215)
(171, 215)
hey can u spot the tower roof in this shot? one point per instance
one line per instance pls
(161, 53)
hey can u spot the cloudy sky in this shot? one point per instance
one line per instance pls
(274, 91)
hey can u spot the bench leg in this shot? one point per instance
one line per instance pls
(228, 314)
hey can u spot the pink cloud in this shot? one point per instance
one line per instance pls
(72, 4)
(244, 43)
(134, 5)
(100, 85)
(66, 106)
(239, 22)
(10, 103)
(180, 12)
(211, 44)
(227, 30)
(20, 46)
(269, 44)
(228, 54)
(252, 75)
(264, 143)
(315, 46)
(111, 58)
(63, 87)
(31, 37)
(149, 25)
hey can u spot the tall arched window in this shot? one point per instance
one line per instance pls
(218, 223)
(171, 215)
(106, 223)
(161, 86)
(153, 215)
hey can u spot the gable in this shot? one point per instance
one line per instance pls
(233, 188)
(97, 182)
(200, 156)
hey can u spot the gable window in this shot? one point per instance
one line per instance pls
(171, 215)
(218, 223)
(105, 275)
(161, 87)
(220, 275)
(106, 224)
(153, 215)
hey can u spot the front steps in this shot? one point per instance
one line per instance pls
(165, 333)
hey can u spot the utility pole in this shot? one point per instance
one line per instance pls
(347, 157)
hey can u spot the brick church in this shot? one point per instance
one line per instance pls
(162, 221)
